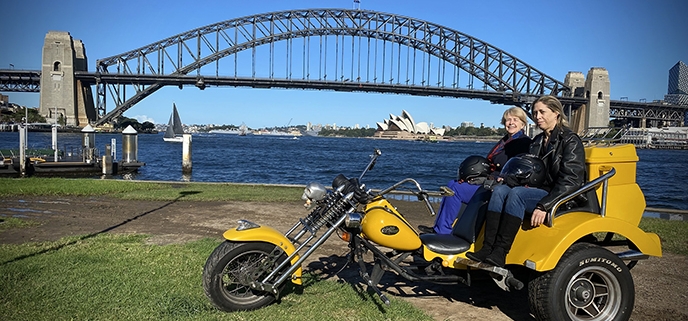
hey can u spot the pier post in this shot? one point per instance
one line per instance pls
(22, 149)
(107, 161)
(88, 144)
(186, 154)
(130, 145)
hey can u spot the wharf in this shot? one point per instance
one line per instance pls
(86, 162)
(657, 138)
(66, 168)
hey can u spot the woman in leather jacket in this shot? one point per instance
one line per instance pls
(563, 154)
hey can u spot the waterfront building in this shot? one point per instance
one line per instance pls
(404, 127)
(657, 138)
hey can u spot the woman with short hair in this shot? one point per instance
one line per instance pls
(515, 142)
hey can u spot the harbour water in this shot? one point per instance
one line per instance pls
(661, 174)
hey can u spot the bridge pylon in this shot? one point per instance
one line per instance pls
(597, 93)
(576, 81)
(63, 96)
(595, 89)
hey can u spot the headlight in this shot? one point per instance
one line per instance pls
(314, 192)
(353, 220)
(246, 225)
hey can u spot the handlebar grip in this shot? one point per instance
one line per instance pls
(424, 197)
(514, 283)
(446, 191)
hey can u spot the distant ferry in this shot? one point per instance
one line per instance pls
(311, 132)
(225, 131)
(292, 133)
(241, 131)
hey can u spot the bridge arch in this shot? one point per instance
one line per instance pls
(382, 50)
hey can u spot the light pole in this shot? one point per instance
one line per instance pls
(22, 149)
(54, 132)
(26, 125)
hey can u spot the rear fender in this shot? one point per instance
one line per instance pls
(269, 235)
(544, 246)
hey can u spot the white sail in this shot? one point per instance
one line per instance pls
(175, 131)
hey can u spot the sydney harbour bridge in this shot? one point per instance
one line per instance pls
(348, 50)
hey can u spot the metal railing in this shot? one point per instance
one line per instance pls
(604, 180)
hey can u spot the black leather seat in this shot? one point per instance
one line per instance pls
(587, 202)
(466, 228)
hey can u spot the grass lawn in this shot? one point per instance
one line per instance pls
(120, 277)
(139, 190)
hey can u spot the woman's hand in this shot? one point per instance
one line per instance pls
(538, 217)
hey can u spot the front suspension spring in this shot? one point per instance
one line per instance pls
(335, 206)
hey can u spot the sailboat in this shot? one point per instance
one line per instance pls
(174, 132)
(243, 130)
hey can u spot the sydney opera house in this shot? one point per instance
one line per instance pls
(404, 127)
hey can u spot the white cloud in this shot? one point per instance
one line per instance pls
(143, 118)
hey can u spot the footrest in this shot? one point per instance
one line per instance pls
(503, 277)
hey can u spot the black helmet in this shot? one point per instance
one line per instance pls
(474, 166)
(524, 170)
(339, 180)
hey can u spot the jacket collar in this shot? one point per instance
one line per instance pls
(554, 138)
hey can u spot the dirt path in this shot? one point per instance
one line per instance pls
(661, 283)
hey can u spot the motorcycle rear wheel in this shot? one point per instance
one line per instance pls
(230, 269)
(589, 283)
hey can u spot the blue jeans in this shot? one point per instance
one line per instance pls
(515, 201)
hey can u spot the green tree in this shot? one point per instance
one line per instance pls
(147, 126)
(470, 131)
(62, 120)
(356, 132)
(485, 131)
(122, 123)
(21, 113)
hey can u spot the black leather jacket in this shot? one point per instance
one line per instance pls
(564, 157)
(513, 148)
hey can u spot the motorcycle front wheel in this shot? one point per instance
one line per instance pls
(232, 267)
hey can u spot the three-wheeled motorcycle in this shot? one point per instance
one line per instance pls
(580, 260)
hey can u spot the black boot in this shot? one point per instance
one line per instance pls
(505, 237)
(491, 228)
(423, 229)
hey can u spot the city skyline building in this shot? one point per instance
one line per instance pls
(677, 91)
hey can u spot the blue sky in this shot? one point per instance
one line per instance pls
(636, 41)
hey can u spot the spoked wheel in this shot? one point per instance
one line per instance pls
(589, 283)
(232, 267)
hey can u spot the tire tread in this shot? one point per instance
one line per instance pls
(210, 273)
(540, 286)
